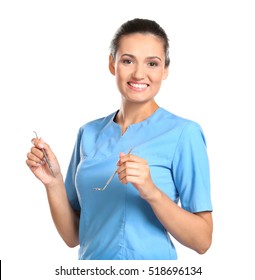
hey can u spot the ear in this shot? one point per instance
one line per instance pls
(166, 71)
(111, 64)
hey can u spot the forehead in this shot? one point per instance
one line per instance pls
(141, 43)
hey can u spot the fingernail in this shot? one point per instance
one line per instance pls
(40, 145)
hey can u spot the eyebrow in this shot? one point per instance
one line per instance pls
(149, 57)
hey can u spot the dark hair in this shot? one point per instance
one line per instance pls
(139, 25)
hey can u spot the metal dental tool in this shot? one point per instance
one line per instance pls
(46, 158)
(110, 179)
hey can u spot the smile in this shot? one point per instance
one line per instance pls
(138, 86)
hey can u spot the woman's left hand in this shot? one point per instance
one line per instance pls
(135, 170)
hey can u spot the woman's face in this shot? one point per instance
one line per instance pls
(139, 67)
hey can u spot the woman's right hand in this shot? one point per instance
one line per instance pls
(38, 165)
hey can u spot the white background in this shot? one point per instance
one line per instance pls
(54, 77)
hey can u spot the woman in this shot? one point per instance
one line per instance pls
(161, 160)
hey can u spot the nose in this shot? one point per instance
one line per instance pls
(139, 72)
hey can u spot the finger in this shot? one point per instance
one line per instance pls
(38, 143)
(128, 165)
(133, 180)
(37, 152)
(131, 169)
(36, 156)
(129, 173)
(31, 163)
(130, 157)
(41, 144)
(47, 150)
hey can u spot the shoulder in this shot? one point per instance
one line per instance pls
(173, 121)
(183, 129)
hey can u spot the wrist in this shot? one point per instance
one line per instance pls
(153, 196)
(55, 182)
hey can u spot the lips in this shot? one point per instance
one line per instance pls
(139, 86)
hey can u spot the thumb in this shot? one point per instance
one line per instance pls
(121, 154)
(47, 148)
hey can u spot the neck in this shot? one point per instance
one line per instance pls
(131, 113)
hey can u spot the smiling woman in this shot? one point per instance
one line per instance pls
(139, 67)
(161, 186)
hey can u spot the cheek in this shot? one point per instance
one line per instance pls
(157, 78)
(120, 81)
(162, 74)
(121, 74)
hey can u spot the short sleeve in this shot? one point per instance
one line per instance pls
(71, 172)
(191, 170)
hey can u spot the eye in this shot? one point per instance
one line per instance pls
(126, 61)
(153, 64)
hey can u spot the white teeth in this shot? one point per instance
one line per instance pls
(138, 85)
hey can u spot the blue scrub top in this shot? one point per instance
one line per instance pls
(117, 224)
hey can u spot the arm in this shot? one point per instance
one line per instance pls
(193, 230)
(190, 229)
(65, 218)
